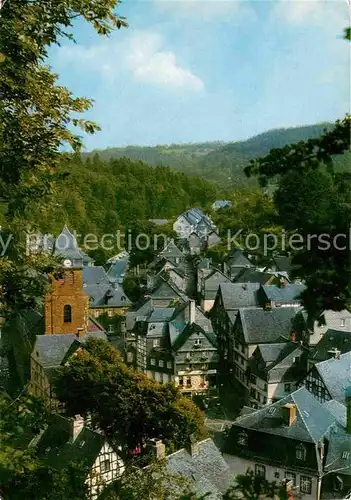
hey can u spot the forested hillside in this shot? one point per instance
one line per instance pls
(217, 161)
(103, 196)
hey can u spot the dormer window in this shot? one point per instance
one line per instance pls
(242, 439)
(342, 322)
(197, 342)
(300, 452)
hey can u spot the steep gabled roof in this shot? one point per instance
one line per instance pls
(336, 375)
(250, 275)
(171, 250)
(66, 246)
(187, 331)
(207, 470)
(338, 454)
(236, 295)
(95, 275)
(261, 327)
(337, 339)
(312, 422)
(52, 349)
(288, 293)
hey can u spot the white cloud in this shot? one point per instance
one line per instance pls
(331, 13)
(151, 64)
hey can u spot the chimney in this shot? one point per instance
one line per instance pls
(192, 311)
(289, 414)
(348, 409)
(157, 448)
(77, 426)
(194, 446)
(80, 333)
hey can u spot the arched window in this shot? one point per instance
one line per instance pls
(67, 314)
(300, 452)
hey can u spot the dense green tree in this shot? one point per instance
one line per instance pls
(22, 473)
(36, 119)
(128, 406)
(313, 200)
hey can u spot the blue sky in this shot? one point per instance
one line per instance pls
(187, 71)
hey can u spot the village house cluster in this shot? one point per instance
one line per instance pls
(208, 328)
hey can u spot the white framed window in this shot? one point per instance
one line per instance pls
(156, 343)
(161, 363)
(169, 364)
(130, 357)
(109, 313)
(96, 313)
(300, 452)
(110, 329)
(260, 470)
(197, 342)
(306, 484)
(153, 361)
(342, 322)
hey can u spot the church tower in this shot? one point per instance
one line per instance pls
(66, 306)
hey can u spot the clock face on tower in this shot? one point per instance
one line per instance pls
(67, 263)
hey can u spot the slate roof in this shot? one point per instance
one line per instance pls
(184, 334)
(66, 246)
(208, 471)
(313, 420)
(338, 457)
(336, 375)
(236, 295)
(237, 258)
(106, 295)
(289, 293)
(279, 365)
(94, 275)
(249, 275)
(171, 250)
(261, 327)
(58, 449)
(53, 348)
(204, 264)
(338, 339)
(338, 411)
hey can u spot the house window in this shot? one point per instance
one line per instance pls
(342, 322)
(110, 329)
(188, 382)
(67, 314)
(291, 476)
(156, 343)
(161, 363)
(181, 381)
(253, 379)
(260, 470)
(110, 313)
(96, 314)
(306, 484)
(197, 342)
(242, 439)
(153, 361)
(345, 455)
(130, 357)
(300, 452)
(169, 364)
(105, 466)
(276, 475)
(287, 387)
